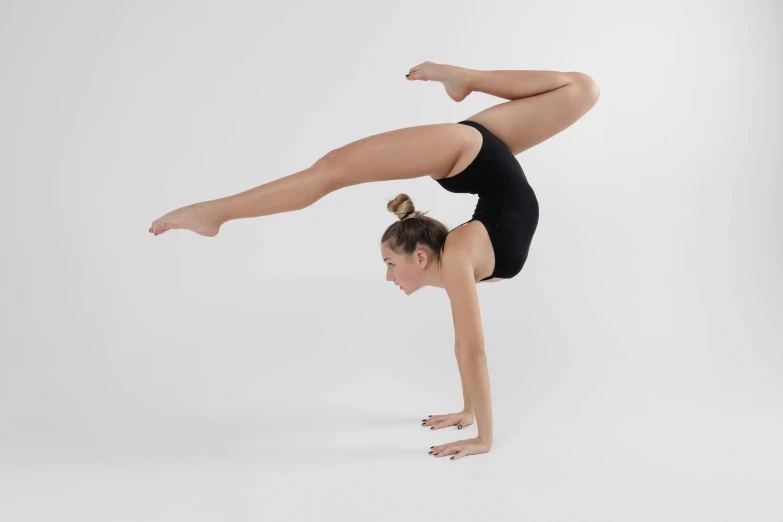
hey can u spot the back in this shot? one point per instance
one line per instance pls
(507, 205)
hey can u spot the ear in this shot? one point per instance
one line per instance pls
(422, 256)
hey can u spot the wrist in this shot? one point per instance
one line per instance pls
(486, 440)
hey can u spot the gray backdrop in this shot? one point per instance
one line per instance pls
(272, 373)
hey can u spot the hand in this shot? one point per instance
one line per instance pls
(460, 420)
(462, 448)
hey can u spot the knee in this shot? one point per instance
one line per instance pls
(587, 83)
(329, 168)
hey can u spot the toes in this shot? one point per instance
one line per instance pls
(157, 228)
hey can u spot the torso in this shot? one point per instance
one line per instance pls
(511, 228)
(474, 232)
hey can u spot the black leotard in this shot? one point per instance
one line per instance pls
(506, 206)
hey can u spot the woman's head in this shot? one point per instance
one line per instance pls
(411, 245)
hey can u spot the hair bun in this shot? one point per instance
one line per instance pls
(402, 206)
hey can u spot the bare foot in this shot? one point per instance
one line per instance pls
(452, 78)
(198, 217)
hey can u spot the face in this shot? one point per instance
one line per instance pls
(408, 271)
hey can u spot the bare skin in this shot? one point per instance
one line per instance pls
(206, 218)
(454, 79)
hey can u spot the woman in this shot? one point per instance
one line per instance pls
(475, 155)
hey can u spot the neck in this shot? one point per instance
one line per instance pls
(433, 276)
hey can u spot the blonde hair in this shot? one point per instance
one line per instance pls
(413, 229)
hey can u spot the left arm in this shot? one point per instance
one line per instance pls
(461, 288)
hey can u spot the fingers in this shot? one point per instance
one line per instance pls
(442, 447)
(444, 421)
(461, 454)
(448, 449)
(439, 421)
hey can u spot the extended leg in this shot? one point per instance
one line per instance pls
(399, 154)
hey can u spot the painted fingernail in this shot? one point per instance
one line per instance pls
(459, 427)
(432, 428)
(452, 458)
(430, 453)
(407, 75)
(432, 447)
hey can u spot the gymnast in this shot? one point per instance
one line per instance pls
(475, 155)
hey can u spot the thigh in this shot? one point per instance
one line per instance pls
(405, 153)
(523, 123)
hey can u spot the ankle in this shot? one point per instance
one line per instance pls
(467, 77)
(218, 211)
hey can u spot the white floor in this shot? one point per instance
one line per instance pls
(336, 463)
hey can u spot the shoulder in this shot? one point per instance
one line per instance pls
(458, 247)
(461, 247)
(457, 263)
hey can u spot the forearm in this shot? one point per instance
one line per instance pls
(514, 84)
(474, 365)
(468, 405)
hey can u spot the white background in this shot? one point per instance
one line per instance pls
(272, 373)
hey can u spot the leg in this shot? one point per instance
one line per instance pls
(542, 103)
(509, 84)
(399, 154)
(522, 123)
(406, 153)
